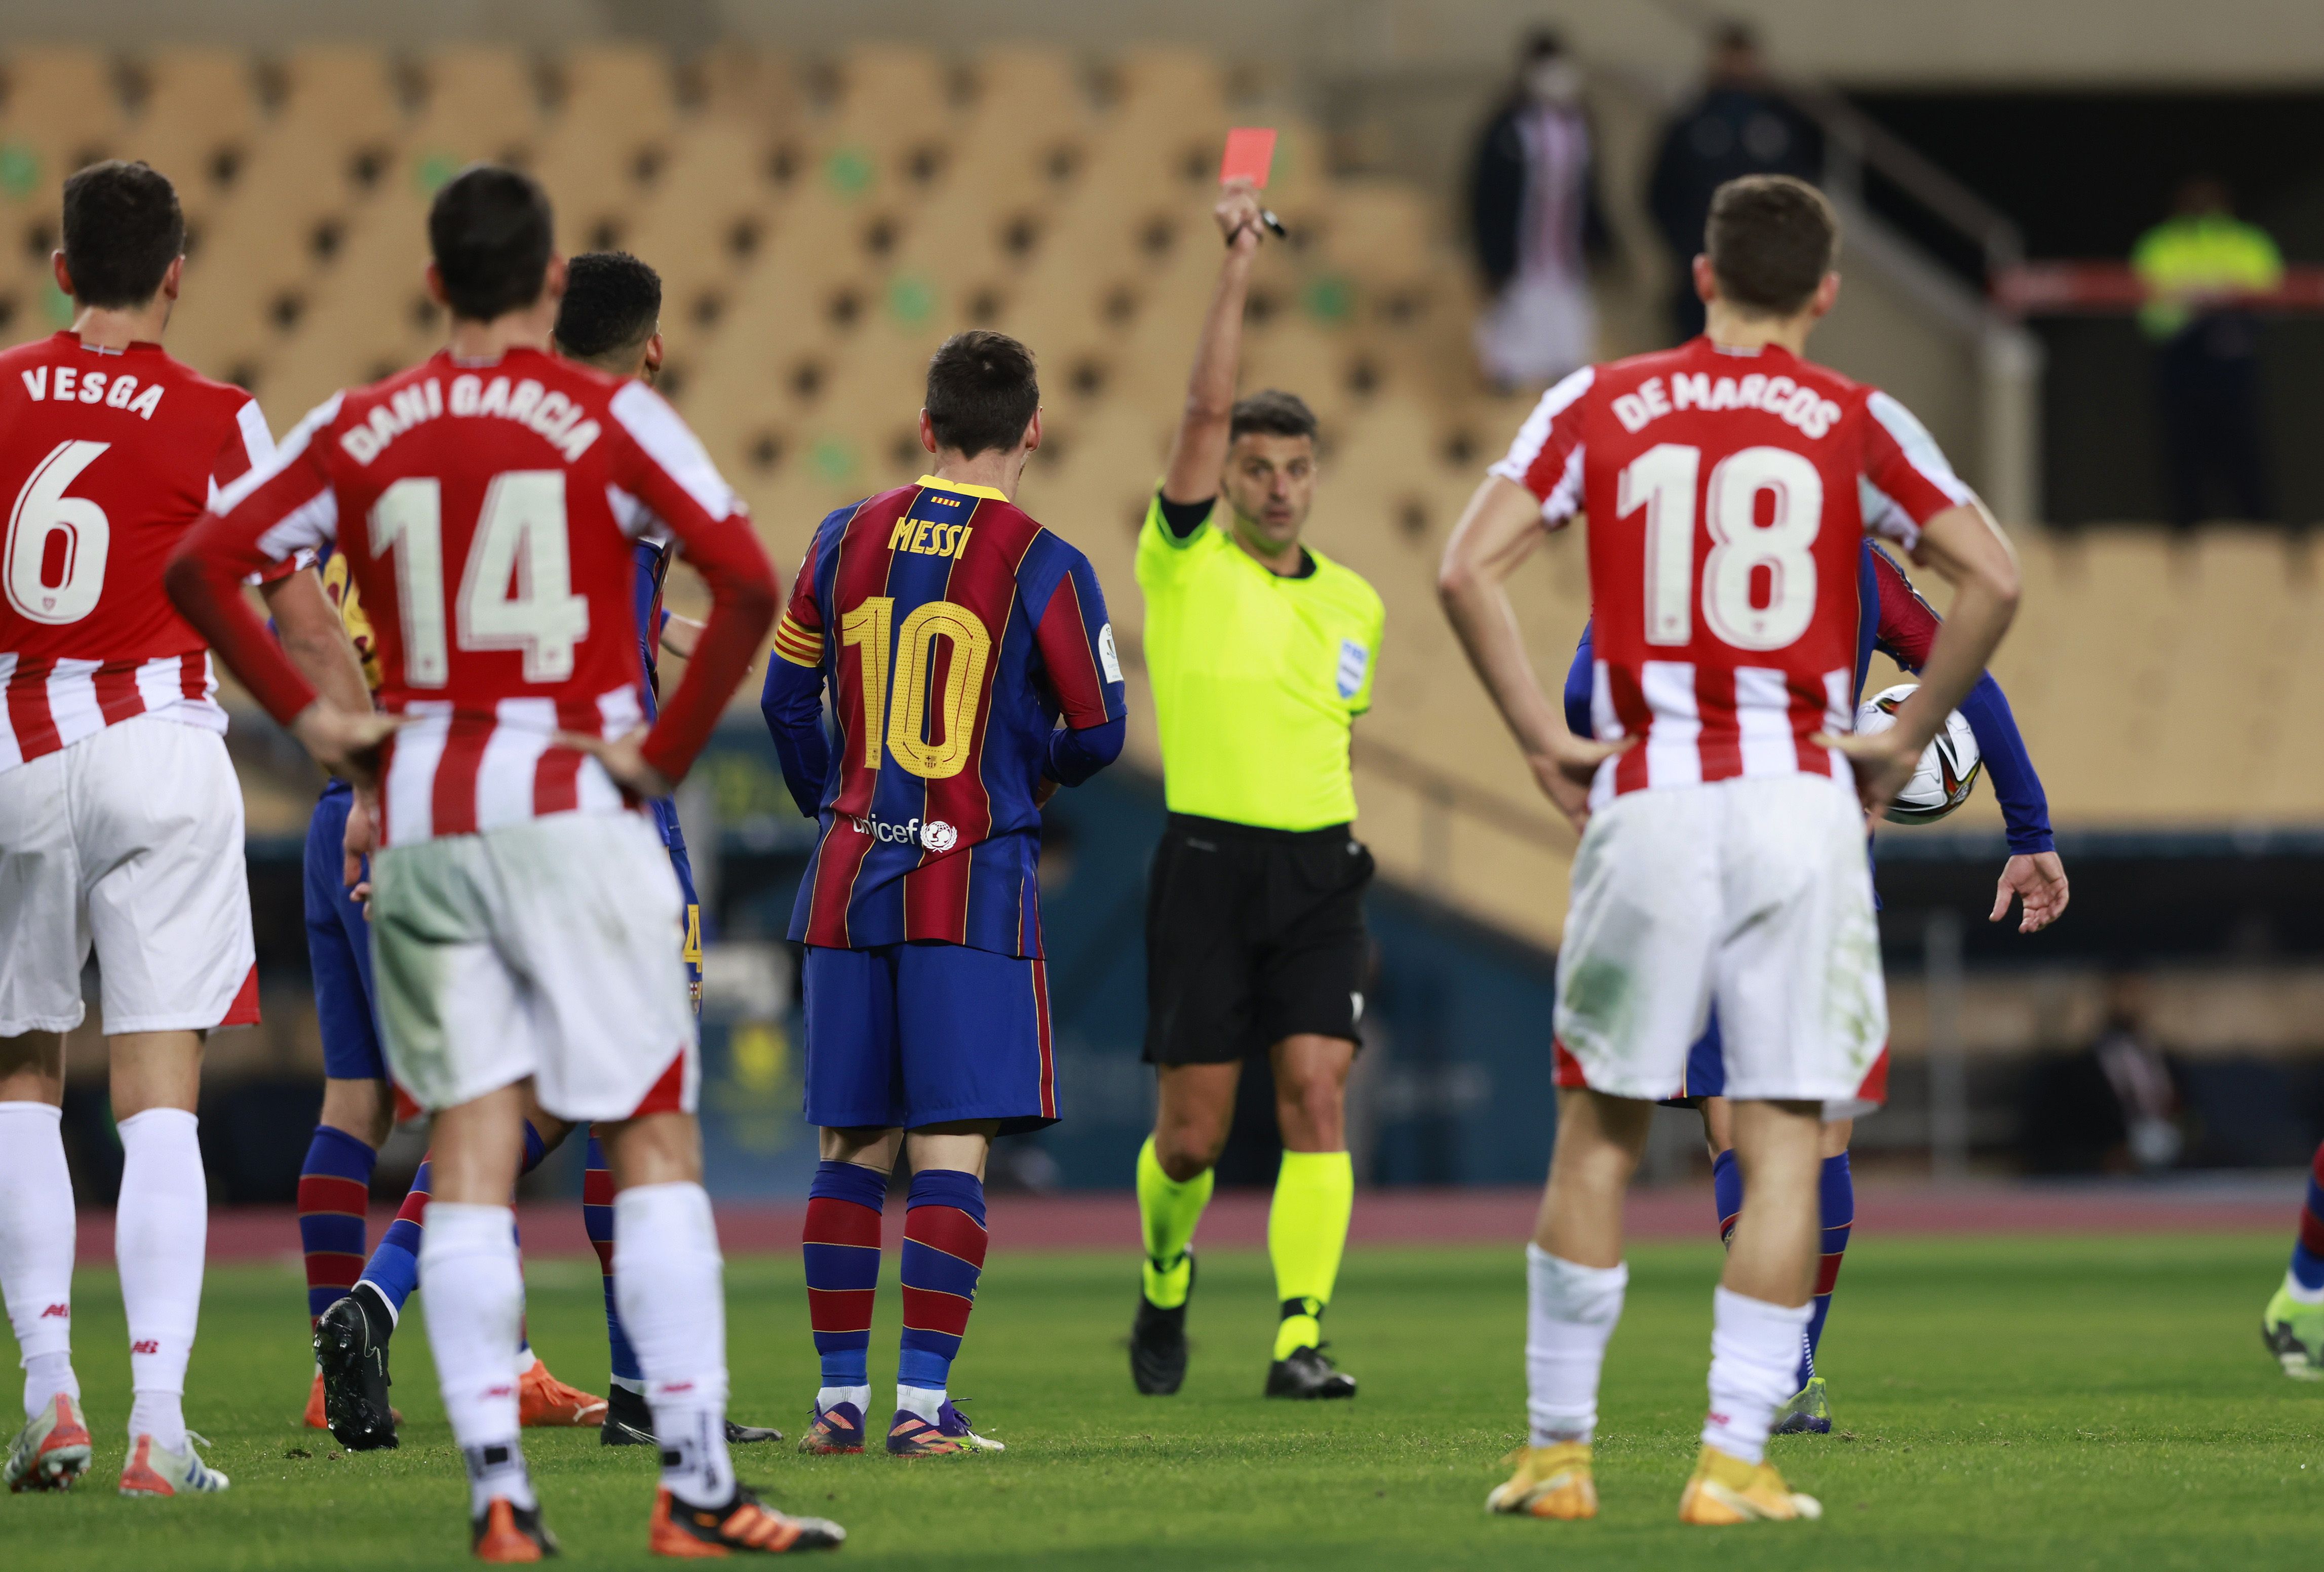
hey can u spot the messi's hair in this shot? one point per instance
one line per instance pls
(490, 232)
(983, 391)
(612, 306)
(1770, 239)
(1274, 413)
(123, 229)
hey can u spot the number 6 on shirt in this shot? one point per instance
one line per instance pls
(519, 535)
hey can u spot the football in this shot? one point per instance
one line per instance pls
(1948, 765)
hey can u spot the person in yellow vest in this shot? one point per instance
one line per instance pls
(2199, 266)
(1261, 650)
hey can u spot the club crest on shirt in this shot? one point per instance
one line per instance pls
(1354, 661)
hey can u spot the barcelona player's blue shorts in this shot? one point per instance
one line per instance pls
(338, 947)
(1706, 1068)
(906, 1035)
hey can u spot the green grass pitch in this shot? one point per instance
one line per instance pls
(2099, 1402)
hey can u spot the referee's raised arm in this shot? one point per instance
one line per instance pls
(1199, 450)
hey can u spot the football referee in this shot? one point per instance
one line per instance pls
(1261, 651)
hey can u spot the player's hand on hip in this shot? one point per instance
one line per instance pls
(624, 759)
(2038, 879)
(1564, 771)
(1881, 761)
(1238, 215)
(347, 745)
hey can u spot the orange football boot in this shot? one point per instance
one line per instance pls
(51, 1450)
(746, 1523)
(545, 1402)
(508, 1533)
(317, 1420)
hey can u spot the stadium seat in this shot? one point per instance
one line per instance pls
(746, 85)
(62, 110)
(341, 95)
(626, 89)
(1166, 82)
(482, 103)
(198, 124)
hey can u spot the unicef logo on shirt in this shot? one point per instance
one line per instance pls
(938, 836)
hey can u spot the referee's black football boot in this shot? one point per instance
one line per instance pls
(629, 1423)
(1306, 1372)
(351, 1347)
(1158, 1342)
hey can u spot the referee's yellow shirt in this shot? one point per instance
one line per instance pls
(1258, 679)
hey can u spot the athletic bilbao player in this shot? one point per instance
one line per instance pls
(120, 817)
(954, 634)
(1728, 484)
(1897, 622)
(521, 905)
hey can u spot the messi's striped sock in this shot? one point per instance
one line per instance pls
(334, 1193)
(1836, 1199)
(944, 1255)
(1167, 1213)
(1726, 1192)
(2305, 1282)
(841, 1244)
(1306, 1234)
(597, 1216)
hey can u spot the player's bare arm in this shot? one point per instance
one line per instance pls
(680, 635)
(1199, 450)
(1496, 532)
(1967, 550)
(316, 639)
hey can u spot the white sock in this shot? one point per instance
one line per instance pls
(1755, 1356)
(476, 1297)
(36, 1247)
(918, 1400)
(160, 1230)
(2292, 1285)
(669, 1283)
(1570, 1317)
(833, 1396)
(626, 1384)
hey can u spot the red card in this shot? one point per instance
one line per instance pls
(1250, 152)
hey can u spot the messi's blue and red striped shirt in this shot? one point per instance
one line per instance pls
(954, 632)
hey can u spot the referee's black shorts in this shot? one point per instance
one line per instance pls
(1251, 936)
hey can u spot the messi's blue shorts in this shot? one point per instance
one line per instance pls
(338, 947)
(905, 1035)
(1706, 1068)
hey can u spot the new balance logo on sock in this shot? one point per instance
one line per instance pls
(145, 1346)
(61, 1311)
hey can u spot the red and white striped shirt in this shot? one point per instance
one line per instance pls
(1726, 493)
(106, 456)
(486, 512)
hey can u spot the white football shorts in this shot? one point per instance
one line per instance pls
(537, 949)
(130, 841)
(1754, 894)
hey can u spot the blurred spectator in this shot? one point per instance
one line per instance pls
(1741, 125)
(2115, 1106)
(1535, 218)
(2197, 266)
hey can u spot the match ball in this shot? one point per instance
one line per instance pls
(1948, 765)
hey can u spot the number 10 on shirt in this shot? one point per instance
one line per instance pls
(895, 666)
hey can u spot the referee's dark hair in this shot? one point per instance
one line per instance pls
(612, 306)
(1274, 413)
(123, 229)
(1770, 239)
(490, 231)
(982, 392)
